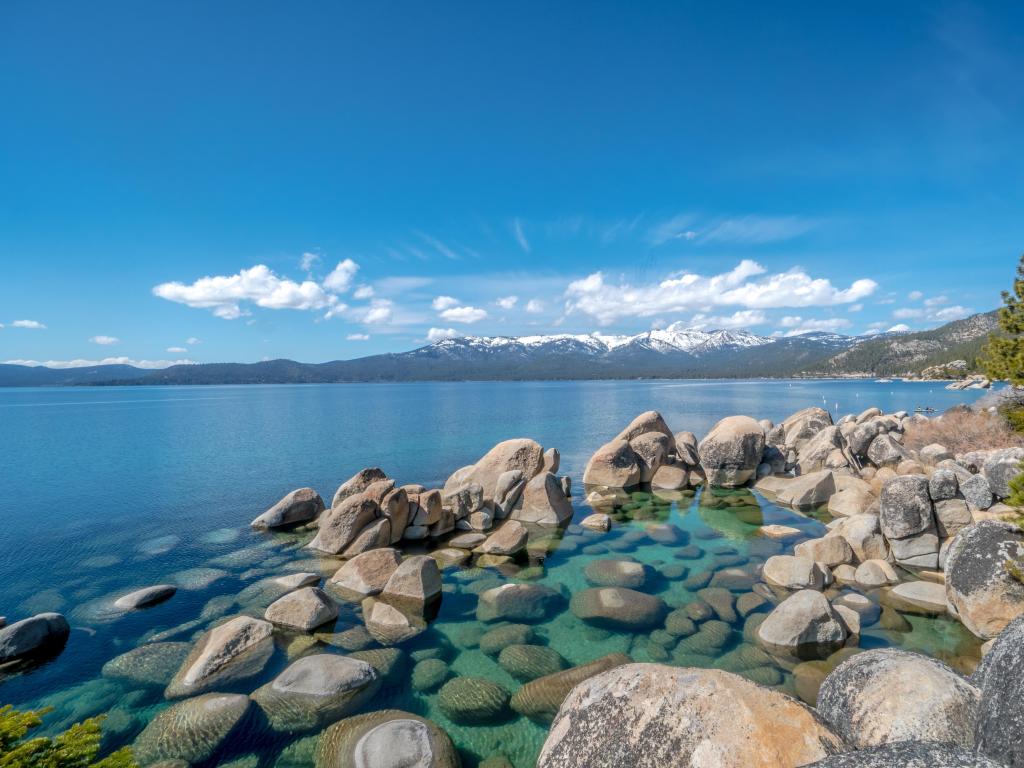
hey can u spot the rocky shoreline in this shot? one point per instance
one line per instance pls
(916, 532)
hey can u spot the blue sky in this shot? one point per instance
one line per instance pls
(239, 181)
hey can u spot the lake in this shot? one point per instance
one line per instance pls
(105, 489)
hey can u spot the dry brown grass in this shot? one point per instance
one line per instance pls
(962, 430)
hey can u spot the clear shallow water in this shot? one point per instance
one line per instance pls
(106, 489)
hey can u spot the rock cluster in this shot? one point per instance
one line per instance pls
(646, 451)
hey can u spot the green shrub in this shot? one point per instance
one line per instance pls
(77, 747)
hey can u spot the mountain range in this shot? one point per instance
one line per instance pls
(672, 352)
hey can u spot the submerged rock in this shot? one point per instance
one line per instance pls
(299, 506)
(389, 738)
(517, 602)
(190, 730)
(889, 695)
(540, 699)
(428, 675)
(473, 700)
(616, 573)
(316, 690)
(495, 640)
(528, 662)
(618, 607)
(149, 664)
(650, 716)
(233, 651)
(145, 597)
(388, 625)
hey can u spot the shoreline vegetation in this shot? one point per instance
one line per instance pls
(912, 528)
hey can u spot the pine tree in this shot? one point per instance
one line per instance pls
(1003, 356)
(77, 747)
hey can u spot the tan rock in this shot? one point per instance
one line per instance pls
(366, 574)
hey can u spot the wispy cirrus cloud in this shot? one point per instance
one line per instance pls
(32, 325)
(751, 229)
(748, 286)
(520, 235)
(797, 325)
(438, 246)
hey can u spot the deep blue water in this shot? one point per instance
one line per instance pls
(102, 489)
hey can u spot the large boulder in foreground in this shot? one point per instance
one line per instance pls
(44, 633)
(651, 716)
(614, 465)
(233, 651)
(389, 737)
(1001, 711)
(316, 690)
(190, 730)
(983, 568)
(888, 695)
(299, 506)
(909, 754)
(731, 451)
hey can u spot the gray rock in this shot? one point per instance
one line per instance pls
(650, 716)
(508, 489)
(686, 448)
(43, 633)
(388, 625)
(884, 451)
(473, 700)
(299, 506)
(343, 522)
(150, 664)
(316, 690)
(543, 501)
(528, 662)
(943, 484)
(235, 650)
(803, 425)
(540, 699)
(366, 574)
(864, 535)
(829, 550)
(1001, 467)
(652, 448)
(952, 516)
(190, 730)
(389, 738)
(1001, 711)
(517, 602)
(977, 491)
(523, 454)
(618, 607)
(909, 754)
(918, 597)
(980, 581)
(510, 539)
(304, 609)
(865, 700)
(375, 535)
(615, 572)
(731, 451)
(809, 491)
(358, 483)
(906, 508)
(790, 572)
(414, 585)
(803, 625)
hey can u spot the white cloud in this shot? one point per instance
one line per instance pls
(436, 334)
(358, 337)
(225, 294)
(751, 229)
(30, 324)
(438, 246)
(379, 312)
(363, 292)
(308, 261)
(535, 306)
(507, 302)
(336, 310)
(855, 307)
(82, 363)
(799, 325)
(444, 302)
(177, 350)
(341, 277)
(907, 313)
(915, 295)
(952, 313)
(517, 230)
(105, 341)
(193, 340)
(688, 291)
(464, 314)
(936, 301)
(899, 328)
(743, 318)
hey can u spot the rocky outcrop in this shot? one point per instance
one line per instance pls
(908, 521)
(191, 730)
(299, 506)
(614, 465)
(316, 690)
(233, 651)
(366, 574)
(343, 522)
(544, 502)
(731, 451)
(389, 737)
(983, 567)
(649, 716)
(358, 483)
(42, 634)
(524, 455)
(889, 695)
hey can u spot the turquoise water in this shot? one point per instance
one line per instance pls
(106, 489)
